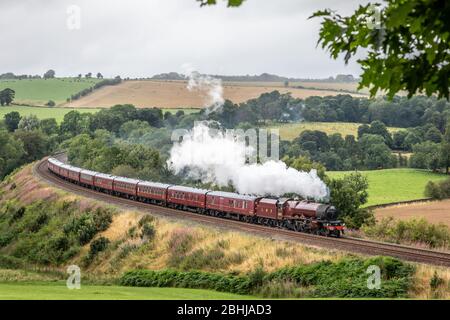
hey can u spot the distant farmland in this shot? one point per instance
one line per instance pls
(394, 185)
(40, 91)
(290, 131)
(174, 94)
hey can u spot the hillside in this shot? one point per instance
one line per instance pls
(35, 231)
(40, 91)
(174, 94)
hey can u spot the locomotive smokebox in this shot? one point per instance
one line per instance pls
(326, 212)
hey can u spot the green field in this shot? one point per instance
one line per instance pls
(393, 185)
(290, 131)
(59, 291)
(42, 112)
(58, 113)
(40, 91)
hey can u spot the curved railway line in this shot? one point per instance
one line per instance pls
(346, 243)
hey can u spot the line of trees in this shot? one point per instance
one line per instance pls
(98, 85)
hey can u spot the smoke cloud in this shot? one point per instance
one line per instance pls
(207, 85)
(220, 158)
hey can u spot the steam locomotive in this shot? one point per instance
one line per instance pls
(286, 213)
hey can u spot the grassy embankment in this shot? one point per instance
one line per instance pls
(42, 228)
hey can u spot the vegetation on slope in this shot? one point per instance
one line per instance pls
(136, 241)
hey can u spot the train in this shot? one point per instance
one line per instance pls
(286, 213)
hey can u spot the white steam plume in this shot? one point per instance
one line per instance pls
(220, 159)
(211, 87)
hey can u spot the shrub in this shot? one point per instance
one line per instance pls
(8, 262)
(193, 279)
(436, 281)
(88, 225)
(148, 231)
(348, 278)
(438, 190)
(413, 230)
(50, 103)
(83, 227)
(39, 221)
(98, 245)
(102, 219)
(145, 220)
(345, 278)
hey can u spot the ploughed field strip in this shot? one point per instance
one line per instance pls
(343, 243)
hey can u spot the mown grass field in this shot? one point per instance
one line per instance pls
(40, 91)
(59, 291)
(290, 131)
(394, 185)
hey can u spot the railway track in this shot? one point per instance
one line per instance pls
(346, 243)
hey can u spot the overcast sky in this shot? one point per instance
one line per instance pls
(140, 38)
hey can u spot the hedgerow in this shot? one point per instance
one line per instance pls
(191, 279)
(344, 278)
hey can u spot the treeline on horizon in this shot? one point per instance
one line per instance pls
(263, 77)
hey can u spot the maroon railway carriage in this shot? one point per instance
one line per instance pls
(152, 192)
(104, 182)
(125, 187)
(74, 174)
(186, 198)
(231, 203)
(87, 177)
(53, 165)
(64, 171)
(268, 208)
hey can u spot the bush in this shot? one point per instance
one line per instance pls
(102, 219)
(348, 278)
(89, 224)
(345, 278)
(8, 262)
(98, 245)
(193, 279)
(83, 227)
(50, 103)
(438, 190)
(436, 281)
(413, 230)
(148, 231)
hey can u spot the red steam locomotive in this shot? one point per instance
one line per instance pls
(286, 213)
